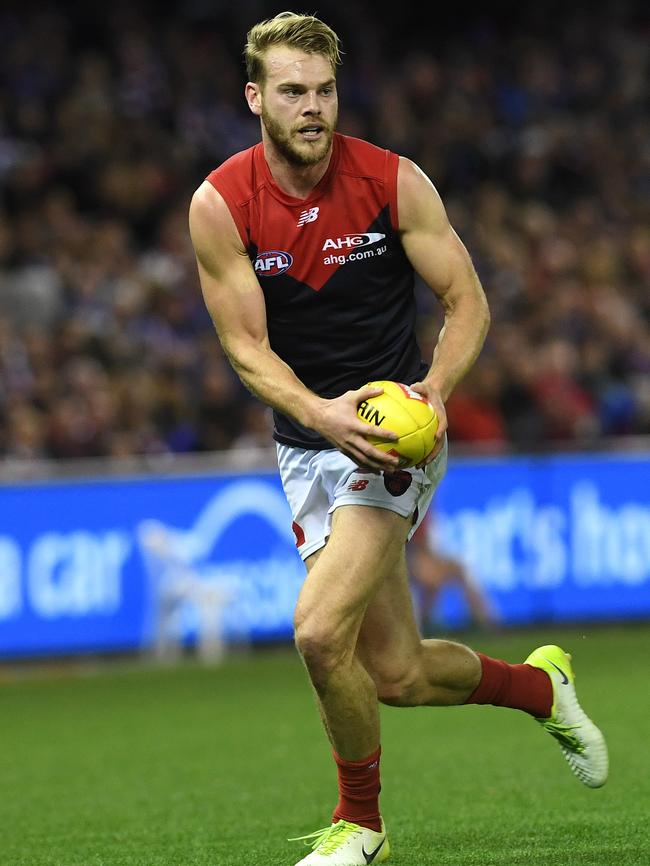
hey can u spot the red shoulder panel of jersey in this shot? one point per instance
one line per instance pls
(361, 159)
(244, 176)
(237, 181)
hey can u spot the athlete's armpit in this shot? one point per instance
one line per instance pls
(431, 244)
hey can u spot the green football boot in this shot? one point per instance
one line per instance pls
(581, 741)
(345, 844)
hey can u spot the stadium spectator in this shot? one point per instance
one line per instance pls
(431, 571)
(110, 118)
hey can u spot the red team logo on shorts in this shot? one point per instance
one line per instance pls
(298, 532)
(397, 483)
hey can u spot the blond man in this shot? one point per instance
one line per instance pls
(307, 245)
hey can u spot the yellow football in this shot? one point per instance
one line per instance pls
(405, 412)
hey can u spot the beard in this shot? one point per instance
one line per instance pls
(299, 153)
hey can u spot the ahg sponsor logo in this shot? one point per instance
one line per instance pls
(350, 241)
(354, 248)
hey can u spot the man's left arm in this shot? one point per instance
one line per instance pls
(440, 258)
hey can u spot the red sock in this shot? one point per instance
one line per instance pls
(521, 687)
(359, 789)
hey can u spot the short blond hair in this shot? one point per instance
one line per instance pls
(305, 32)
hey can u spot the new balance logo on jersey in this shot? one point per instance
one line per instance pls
(308, 216)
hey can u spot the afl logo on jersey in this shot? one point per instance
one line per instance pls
(272, 263)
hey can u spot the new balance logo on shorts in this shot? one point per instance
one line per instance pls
(360, 484)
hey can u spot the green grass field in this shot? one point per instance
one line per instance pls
(133, 766)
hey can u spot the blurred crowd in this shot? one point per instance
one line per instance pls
(534, 129)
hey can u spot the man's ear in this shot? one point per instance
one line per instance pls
(253, 93)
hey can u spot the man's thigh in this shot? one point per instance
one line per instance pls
(364, 547)
(389, 641)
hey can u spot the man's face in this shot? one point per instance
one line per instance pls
(298, 104)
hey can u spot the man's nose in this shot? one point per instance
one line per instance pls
(312, 104)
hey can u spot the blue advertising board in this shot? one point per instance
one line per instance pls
(88, 566)
(551, 538)
(99, 565)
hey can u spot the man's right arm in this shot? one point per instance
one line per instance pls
(236, 304)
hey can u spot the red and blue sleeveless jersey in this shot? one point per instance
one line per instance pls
(338, 287)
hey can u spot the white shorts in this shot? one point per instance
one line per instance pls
(317, 482)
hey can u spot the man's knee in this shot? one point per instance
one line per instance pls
(321, 645)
